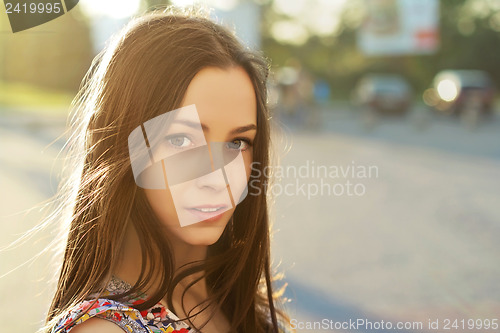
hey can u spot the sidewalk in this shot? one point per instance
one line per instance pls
(32, 118)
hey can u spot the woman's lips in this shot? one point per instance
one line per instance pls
(208, 212)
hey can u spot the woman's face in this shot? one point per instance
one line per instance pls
(196, 210)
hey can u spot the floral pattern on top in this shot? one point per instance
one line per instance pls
(156, 319)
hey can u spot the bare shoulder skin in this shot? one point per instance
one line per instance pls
(97, 325)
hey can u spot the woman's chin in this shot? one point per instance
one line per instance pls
(200, 235)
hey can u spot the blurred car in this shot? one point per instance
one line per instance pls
(385, 93)
(454, 90)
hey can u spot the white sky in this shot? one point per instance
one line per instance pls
(219, 4)
(126, 8)
(112, 8)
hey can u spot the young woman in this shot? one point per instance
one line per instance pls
(164, 236)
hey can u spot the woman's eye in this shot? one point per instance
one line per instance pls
(179, 141)
(239, 144)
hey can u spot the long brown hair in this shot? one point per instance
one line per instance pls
(144, 72)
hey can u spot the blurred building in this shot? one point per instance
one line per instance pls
(395, 27)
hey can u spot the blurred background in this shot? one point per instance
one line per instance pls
(406, 89)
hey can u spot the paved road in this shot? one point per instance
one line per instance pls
(414, 239)
(421, 242)
(29, 171)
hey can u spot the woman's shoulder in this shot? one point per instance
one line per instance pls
(97, 325)
(109, 311)
(101, 311)
(99, 315)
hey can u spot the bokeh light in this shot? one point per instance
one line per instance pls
(447, 90)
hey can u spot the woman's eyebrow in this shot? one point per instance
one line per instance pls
(196, 125)
(243, 129)
(190, 123)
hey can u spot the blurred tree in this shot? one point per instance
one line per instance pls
(58, 53)
(469, 33)
(53, 55)
(149, 4)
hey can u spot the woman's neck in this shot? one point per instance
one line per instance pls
(129, 266)
(183, 255)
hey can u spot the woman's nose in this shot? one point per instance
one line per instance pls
(214, 180)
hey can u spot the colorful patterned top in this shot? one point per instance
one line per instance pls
(154, 320)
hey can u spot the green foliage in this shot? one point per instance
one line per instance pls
(469, 39)
(52, 55)
(151, 4)
(26, 97)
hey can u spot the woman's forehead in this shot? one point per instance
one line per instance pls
(223, 96)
